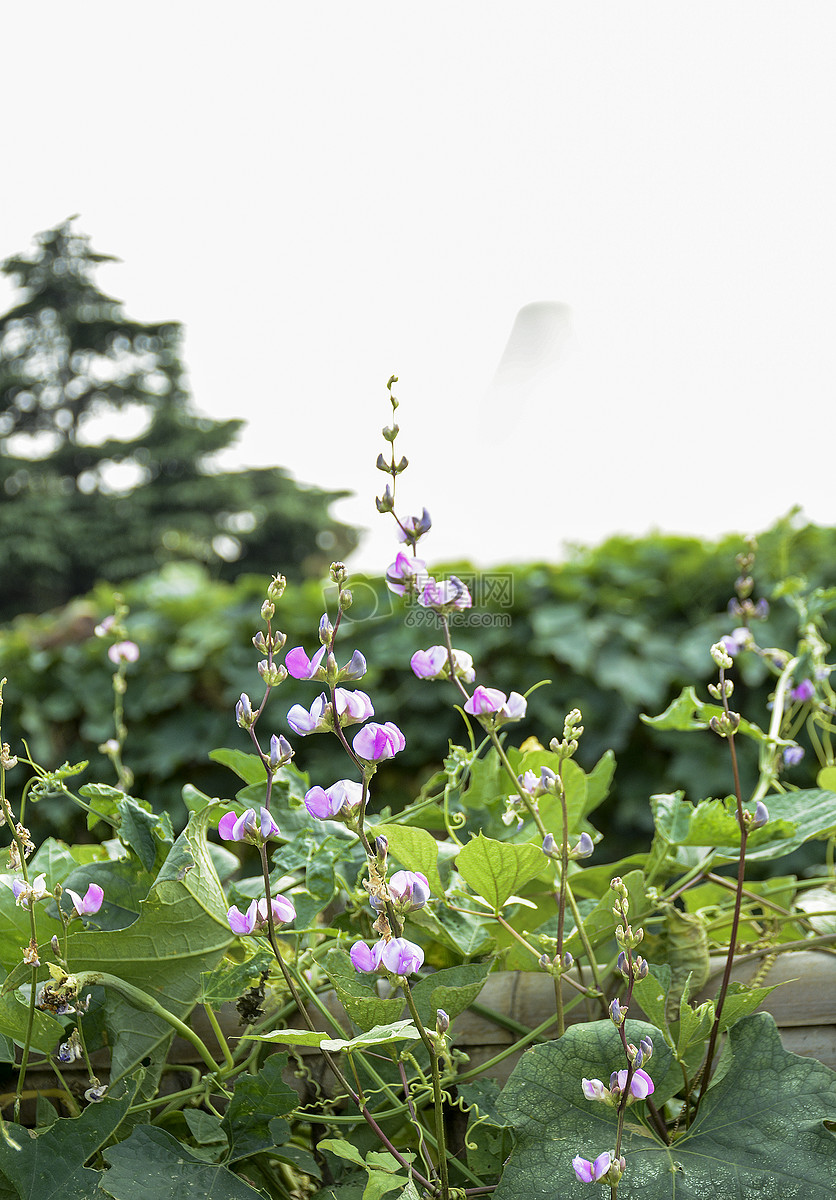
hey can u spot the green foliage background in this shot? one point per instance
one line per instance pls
(618, 630)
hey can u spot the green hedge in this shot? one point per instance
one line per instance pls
(618, 630)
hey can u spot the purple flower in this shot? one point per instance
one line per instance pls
(401, 957)
(352, 708)
(91, 903)
(803, 692)
(406, 574)
(26, 894)
(255, 918)
(409, 890)
(281, 751)
(364, 958)
(641, 1085)
(410, 529)
(736, 641)
(247, 827)
(450, 594)
(591, 1172)
(324, 803)
(121, 652)
(793, 755)
(761, 816)
(243, 922)
(302, 667)
(376, 742)
(486, 701)
(594, 1089)
(435, 664)
(584, 848)
(355, 668)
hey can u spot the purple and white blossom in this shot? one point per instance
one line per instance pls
(90, 903)
(401, 957)
(119, 652)
(594, 1089)
(641, 1085)
(325, 803)
(301, 667)
(251, 826)
(255, 918)
(375, 742)
(739, 639)
(448, 595)
(591, 1172)
(409, 890)
(366, 958)
(793, 755)
(281, 752)
(435, 664)
(26, 894)
(410, 529)
(761, 816)
(487, 701)
(353, 707)
(585, 846)
(406, 574)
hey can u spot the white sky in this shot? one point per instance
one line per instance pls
(330, 193)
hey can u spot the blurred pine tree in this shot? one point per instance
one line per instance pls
(105, 467)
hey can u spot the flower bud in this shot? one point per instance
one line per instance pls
(276, 587)
(326, 630)
(548, 844)
(339, 572)
(272, 675)
(244, 712)
(442, 1021)
(268, 610)
(281, 751)
(721, 656)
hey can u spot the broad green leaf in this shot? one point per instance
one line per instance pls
(599, 781)
(289, 1037)
(50, 1165)
(415, 849)
(453, 990)
(146, 833)
(151, 1163)
(53, 859)
(497, 870)
(342, 1149)
(759, 1131)
(459, 932)
(688, 712)
(248, 767)
(14, 1020)
(229, 980)
(182, 931)
(380, 1035)
(794, 818)
(251, 1121)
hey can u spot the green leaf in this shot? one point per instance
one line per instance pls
(248, 767)
(14, 1019)
(251, 1120)
(598, 782)
(415, 849)
(759, 1131)
(125, 883)
(380, 1035)
(497, 870)
(826, 779)
(462, 933)
(453, 990)
(181, 933)
(50, 1165)
(289, 1037)
(153, 1163)
(229, 980)
(145, 833)
(53, 859)
(794, 818)
(342, 1149)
